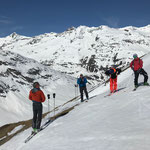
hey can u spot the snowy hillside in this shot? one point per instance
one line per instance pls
(82, 49)
(117, 122)
(17, 74)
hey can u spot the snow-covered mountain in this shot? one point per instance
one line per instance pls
(17, 74)
(117, 122)
(51, 58)
(84, 49)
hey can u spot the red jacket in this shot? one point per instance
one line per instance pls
(37, 96)
(136, 64)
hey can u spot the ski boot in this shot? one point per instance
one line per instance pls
(147, 84)
(136, 86)
(34, 131)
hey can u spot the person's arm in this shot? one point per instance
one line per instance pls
(131, 65)
(42, 96)
(85, 80)
(107, 73)
(141, 63)
(78, 81)
(30, 95)
(118, 71)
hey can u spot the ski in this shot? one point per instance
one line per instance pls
(84, 101)
(111, 93)
(108, 95)
(46, 124)
(134, 89)
(120, 89)
(141, 84)
(42, 128)
(30, 137)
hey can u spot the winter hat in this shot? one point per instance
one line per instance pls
(81, 75)
(35, 84)
(113, 66)
(135, 55)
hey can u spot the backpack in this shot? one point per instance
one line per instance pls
(133, 62)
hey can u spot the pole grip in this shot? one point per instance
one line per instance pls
(54, 95)
(48, 96)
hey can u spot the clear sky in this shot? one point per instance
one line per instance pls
(34, 17)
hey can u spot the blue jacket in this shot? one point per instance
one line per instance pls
(82, 82)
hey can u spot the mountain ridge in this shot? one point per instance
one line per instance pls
(87, 50)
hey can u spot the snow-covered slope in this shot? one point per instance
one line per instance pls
(83, 49)
(117, 122)
(17, 74)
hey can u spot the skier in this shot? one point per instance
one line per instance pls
(82, 86)
(37, 97)
(137, 66)
(113, 73)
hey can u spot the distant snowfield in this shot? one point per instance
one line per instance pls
(117, 122)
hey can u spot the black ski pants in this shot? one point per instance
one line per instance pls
(142, 72)
(85, 91)
(37, 115)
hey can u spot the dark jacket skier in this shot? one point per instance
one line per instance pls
(137, 66)
(82, 86)
(113, 73)
(37, 97)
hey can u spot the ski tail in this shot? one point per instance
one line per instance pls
(30, 137)
(42, 128)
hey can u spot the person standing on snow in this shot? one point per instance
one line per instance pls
(112, 72)
(82, 86)
(137, 66)
(37, 96)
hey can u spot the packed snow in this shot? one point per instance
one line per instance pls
(15, 130)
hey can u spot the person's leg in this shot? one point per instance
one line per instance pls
(144, 73)
(111, 85)
(39, 116)
(115, 84)
(34, 116)
(136, 78)
(86, 93)
(81, 92)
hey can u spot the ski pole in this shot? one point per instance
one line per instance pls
(77, 86)
(54, 95)
(75, 90)
(48, 96)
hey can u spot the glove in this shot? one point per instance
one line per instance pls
(139, 70)
(76, 85)
(107, 73)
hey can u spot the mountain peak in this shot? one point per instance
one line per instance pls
(14, 35)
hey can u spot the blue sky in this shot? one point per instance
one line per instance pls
(34, 17)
